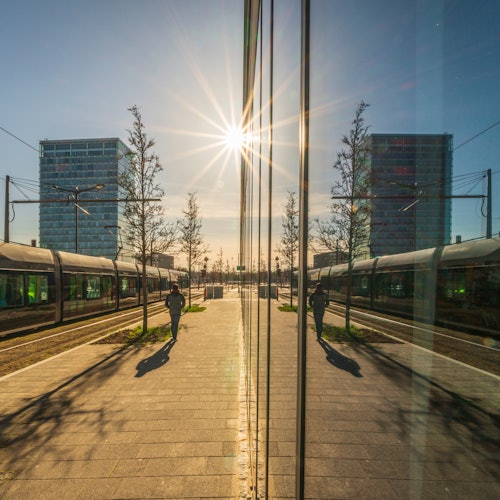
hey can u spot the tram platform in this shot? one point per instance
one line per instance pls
(169, 421)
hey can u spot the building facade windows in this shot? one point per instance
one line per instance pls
(411, 192)
(81, 164)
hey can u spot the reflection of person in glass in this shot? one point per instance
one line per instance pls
(174, 302)
(318, 300)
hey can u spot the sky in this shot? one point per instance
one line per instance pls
(72, 68)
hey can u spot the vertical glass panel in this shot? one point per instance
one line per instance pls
(401, 388)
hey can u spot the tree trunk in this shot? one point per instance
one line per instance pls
(348, 296)
(144, 298)
(189, 279)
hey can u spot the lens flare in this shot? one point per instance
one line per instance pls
(235, 138)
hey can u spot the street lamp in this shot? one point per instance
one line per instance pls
(205, 269)
(74, 193)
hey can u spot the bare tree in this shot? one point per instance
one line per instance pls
(163, 238)
(262, 278)
(227, 270)
(219, 265)
(289, 243)
(142, 211)
(190, 237)
(348, 226)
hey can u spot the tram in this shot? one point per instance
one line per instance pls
(456, 286)
(39, 287)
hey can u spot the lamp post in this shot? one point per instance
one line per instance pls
(205, 268)
(74, 193)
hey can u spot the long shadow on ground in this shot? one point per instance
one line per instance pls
(30, 426)
(340, 361)
(157, 360)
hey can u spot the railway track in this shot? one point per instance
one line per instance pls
(474, 350)
(460, 346)
(20, 351)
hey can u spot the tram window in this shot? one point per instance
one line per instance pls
(11, 290)
(364, 283)
(485, 286)
(107, 286)
(164, 284)
(494, 287)
(38, 288)
(3, 290)
(360, 285)
(452, 284)
(93, 290)
(128, 287)
(401, 284)
(74, 287)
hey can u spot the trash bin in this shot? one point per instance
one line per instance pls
(214, 292)
(263, 291)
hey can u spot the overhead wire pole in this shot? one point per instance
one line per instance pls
(303, 238)
(75, 192)
(488, 206)
(6, 213)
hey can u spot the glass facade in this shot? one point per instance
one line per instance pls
(329, 417)
(411, 208)
(74, 175)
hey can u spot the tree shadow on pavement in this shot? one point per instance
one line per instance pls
(29, 426)
(157, 360)
(340, 361)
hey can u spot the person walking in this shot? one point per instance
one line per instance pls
(318, 300)
(174, 302)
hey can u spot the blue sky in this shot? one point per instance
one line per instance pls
(424, 67)
(70, 69)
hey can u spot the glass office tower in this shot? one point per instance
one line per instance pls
(74, 175)
(412, 192)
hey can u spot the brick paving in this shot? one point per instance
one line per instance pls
(166, 421)
(392, 421)
(107, 422)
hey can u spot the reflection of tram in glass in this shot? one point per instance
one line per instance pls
(457, 285)
(39, 287)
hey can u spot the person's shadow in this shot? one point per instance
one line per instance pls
(157, 360)
(338, 360)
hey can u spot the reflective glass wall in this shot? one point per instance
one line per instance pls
(405, 406)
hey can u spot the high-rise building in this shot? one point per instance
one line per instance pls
(327, 259)
(162, 260)
(78, 172)
(411, 192)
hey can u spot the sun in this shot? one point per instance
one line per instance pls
(235, 138)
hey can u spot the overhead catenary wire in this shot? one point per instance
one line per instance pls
(477, 135)
(19, 139)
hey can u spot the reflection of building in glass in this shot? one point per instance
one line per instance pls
(76, 167)
(326, 259)
(163, 260)
(413, 184)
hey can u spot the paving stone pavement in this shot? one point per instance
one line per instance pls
(388, 422)
(107, 422)
(165, 421)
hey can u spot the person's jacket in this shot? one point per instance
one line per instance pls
(318, 301)
(175, 302)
